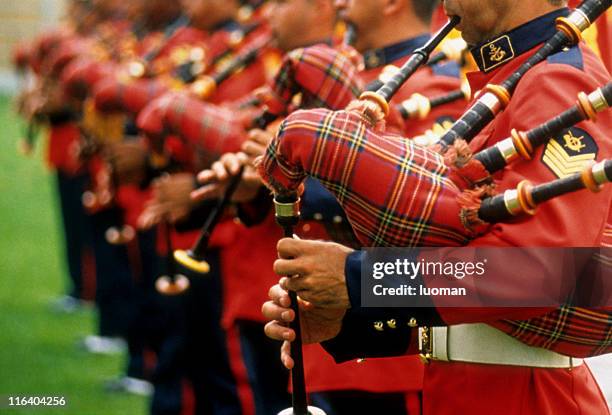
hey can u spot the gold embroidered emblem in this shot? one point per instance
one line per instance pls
(496, 53)
(573, 143)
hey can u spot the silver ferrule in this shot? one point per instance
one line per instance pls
(599, 173)
(491, 101)
(580, 19)
(598, 101)
(511, 201)
(507, 149)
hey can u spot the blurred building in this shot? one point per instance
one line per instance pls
(21, 20)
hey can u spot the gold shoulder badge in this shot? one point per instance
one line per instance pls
(496, 52)
(569, 152)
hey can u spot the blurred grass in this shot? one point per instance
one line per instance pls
(38, 348)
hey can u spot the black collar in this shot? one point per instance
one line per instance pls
(375, 58)
(503, 48)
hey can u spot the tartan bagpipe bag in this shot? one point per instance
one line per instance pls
(397, 193)
(318, 75)
(413, 203)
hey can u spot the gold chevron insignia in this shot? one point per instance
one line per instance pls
(569, 152)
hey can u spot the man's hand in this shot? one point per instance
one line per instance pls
(317, 324)
(129, 159)
(170, 200)
(217, 178)
(257, 143)
(315, 270)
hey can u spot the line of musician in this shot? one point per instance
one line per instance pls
(138, 98)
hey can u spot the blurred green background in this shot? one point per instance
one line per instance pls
(38, 348)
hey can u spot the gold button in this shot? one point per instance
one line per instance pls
(318, 216)
(337, 219)
(378, 326)
(392, 323)
(412, 322)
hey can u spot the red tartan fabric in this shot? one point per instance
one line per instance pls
(326, 78)
(113, 95)
(215, 129)
(395, 193)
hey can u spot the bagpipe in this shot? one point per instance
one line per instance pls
(217, 129)
(408, 205)
(193, 259)
(397, 193)
(304, 73)
(205, 86)
(111, 99)
(141, 68)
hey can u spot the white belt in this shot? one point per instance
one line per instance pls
(481, 343)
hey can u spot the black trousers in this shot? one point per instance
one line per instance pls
(76, 229)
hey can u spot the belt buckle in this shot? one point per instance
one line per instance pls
(426, 344)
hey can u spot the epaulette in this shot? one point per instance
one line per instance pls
(568, 56)
(450, 69)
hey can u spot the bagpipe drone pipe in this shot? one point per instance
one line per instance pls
(200, 74)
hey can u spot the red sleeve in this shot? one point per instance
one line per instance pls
(573, 220)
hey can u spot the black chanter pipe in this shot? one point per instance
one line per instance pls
(496, 97)
(172, 283)
(140, 68)
(287, 217)
(524, 144)
(205, 86)
(189, 71)
(418, 58)
(193, 258)
(526, 197)
(236, 39)
(419, 106)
